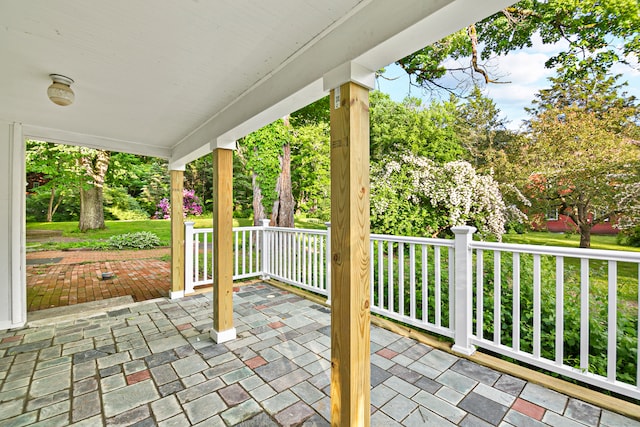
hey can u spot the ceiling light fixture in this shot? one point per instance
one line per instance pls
(60, 91)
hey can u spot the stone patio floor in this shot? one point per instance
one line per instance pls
(153, 363)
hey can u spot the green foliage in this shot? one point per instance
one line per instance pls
(598, 312)
(137, 240)
(577, 133)
(413, 196)
(119, 204)
(261, 150)
(428, 132)
(630, 236)
(310, 176)
(37, 205)
(591, 30)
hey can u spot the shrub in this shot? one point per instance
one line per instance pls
(630, 236)
(119, 204)
(190, 204)
(138, 240)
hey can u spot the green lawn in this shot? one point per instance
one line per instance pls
(161, 227)
(566, 240)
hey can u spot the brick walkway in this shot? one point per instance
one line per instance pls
(154, 364)
(61, 278)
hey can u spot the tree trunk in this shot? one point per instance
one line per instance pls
(580, 216)
(282, 214)
(53, 207)
(585, 237)
(91, 210)
(258, 208)
(95, 166)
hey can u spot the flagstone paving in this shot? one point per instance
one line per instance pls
(153, 363)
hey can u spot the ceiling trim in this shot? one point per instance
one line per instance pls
(58, 136)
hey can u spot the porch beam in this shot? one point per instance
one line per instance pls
(350, 315)
(223, 329)
(177, 234)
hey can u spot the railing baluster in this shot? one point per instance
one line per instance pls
(236, 248)
(321, 256)
(390, 276)
(303, 261)
(244, 252)
(197, 257)
(425, 284)
(412, 280)
(480, 293)
(612, 315)
(316, 268)
(371, 271)
(559, 310)
(584, 314)
(536, 305)
(497, 293)
(452, 289)
(380, 274)
(516, 302)
(401, 279)
(438, 282)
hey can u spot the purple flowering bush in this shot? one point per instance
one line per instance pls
(190, 205)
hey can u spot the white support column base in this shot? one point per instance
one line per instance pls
(223, 336)
(176, 294)
(467, 351)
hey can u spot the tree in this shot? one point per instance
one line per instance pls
(310, 175)
(428, 132)
(412, 195)
(583, 149)
(51, 162)
(592, 31)
(94, 165)
(481, 130)
(283, 205)
(260, 152)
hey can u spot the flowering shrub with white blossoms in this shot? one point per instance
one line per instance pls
(414, 195)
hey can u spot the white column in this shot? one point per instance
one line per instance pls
(13, 288)
(463, 298)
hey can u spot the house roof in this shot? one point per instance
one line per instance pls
(174, 79)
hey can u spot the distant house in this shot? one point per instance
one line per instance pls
(558, 223)
(35, 180)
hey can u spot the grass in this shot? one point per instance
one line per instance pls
(95, 239)
(566, 240)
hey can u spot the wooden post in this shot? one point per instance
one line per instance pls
(177, 235)
(350, 315)
(223, 329)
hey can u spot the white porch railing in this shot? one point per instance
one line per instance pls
(457, 288)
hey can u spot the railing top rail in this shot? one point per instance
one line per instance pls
(417, 240)
(598, 254)
(295, 230)
(210, 229)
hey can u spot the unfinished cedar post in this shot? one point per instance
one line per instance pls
(223, 329)
(177, 235)
(350, 253)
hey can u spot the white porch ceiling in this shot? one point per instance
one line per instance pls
(172, 78)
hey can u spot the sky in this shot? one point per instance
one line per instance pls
(524, 70)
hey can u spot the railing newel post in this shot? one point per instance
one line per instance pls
(463, 296)
(188, 256)
(327, 262)
(265, 250)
